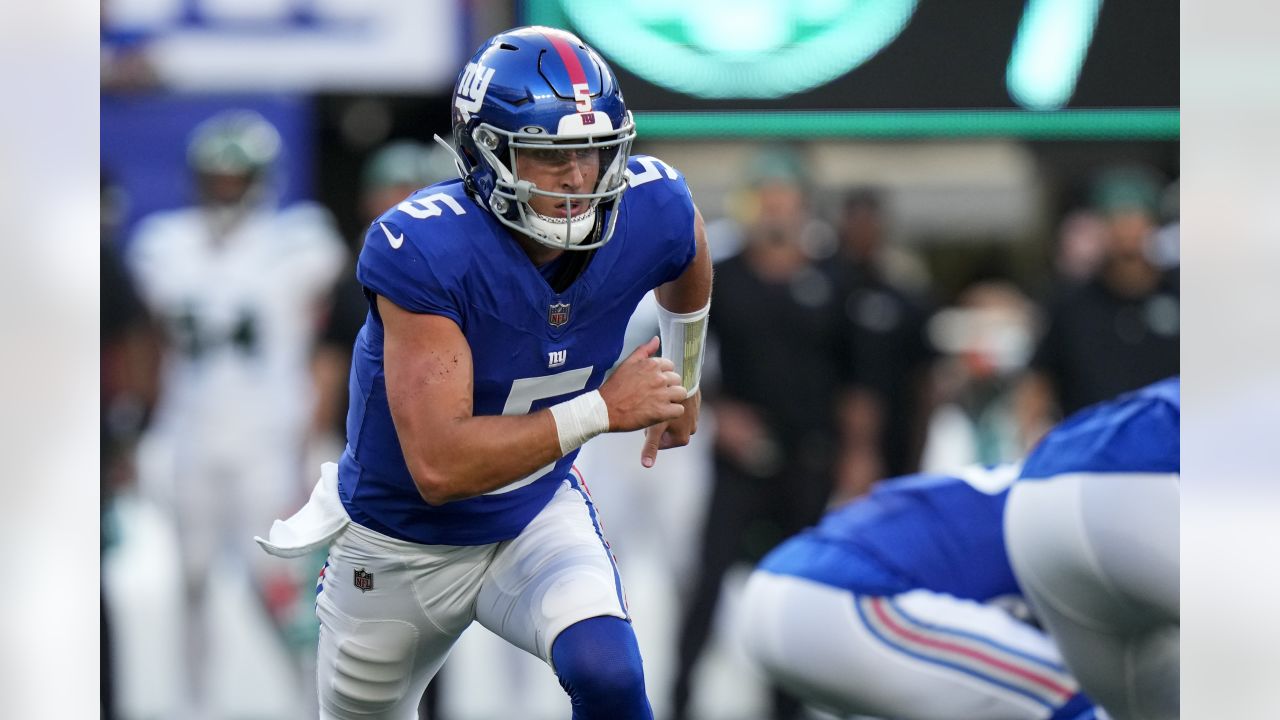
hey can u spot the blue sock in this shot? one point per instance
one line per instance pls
(598, 663)
(1080, 707)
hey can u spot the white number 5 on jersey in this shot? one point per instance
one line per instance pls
(653, 169)
(524, 391)
(426, 207)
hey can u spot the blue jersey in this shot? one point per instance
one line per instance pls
(439, 252)
(1134, 433)
(932, 532)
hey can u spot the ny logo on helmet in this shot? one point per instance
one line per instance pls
(471, 89)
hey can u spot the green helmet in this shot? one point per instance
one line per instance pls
(407, 162)
(1127, 188)
(235, 142)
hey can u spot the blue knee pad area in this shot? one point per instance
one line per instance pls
(598, 663)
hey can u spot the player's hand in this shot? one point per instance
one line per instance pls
(643, 391)
(673, 433)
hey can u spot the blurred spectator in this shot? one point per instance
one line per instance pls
(885, 315)
(129, 355)
(1082, 245)
(237, 285)
(1115, 332)
(863, 242)
(746, 207)
(130, 351)
(124, 63)
(1165, 249)
(783, 356)
(987, 339)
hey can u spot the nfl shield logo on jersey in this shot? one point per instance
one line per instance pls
(364, 580)
(558, 314)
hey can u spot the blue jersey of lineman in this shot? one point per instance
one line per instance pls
(1134, 433)
(441, 253)
(932, 532)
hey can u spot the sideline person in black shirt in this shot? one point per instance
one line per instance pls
(1116, 331)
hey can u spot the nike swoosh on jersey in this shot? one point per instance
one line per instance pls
(395, 240)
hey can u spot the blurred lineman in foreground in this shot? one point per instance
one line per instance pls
(498, 303)
(902, 604)
(237, 285)
(1092, 532)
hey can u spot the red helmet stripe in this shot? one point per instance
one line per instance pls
(569, 58)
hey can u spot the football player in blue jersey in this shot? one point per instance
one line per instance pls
(902, 604)
(497, 302)
(1092, 533)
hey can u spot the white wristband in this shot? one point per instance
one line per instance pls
(683, 337)
(580, 419)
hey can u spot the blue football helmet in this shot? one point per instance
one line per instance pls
(530, 88)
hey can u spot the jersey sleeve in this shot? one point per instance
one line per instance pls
(395, 266)
(666, 203)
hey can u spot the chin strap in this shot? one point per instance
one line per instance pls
(683, 337)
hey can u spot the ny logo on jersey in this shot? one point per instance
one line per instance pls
(471, 89)
(556, 358)
(558, 314)
(364, 580)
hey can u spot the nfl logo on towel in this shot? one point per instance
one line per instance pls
(364, 580)
(558, 314)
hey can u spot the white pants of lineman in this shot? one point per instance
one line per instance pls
(379, 647)
(920, 655)
(1097, 556)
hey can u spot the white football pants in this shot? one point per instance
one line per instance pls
(920, 655)
(1097, 556)
(390, 610)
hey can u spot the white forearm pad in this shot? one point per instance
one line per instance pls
(683, 337)
(580, 419)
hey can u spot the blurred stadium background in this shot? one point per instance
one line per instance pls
(995, 138)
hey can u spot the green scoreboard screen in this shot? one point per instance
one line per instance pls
(1051, 69)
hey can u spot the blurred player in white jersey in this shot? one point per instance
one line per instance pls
(237, 284)
(1092, 528)
(901, 604)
